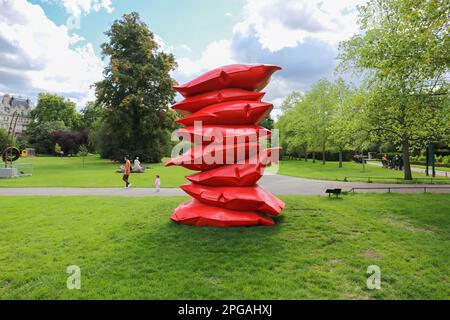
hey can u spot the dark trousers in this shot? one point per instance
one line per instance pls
(125, 178)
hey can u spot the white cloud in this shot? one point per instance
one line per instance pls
(286, 23)
(228, 14)
(84, 7)
(185, 47)
(216, 54)
(37, 55)
(299, 35)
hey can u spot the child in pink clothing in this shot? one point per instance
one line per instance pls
(157, 183)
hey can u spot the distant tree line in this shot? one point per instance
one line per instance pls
(402, 55)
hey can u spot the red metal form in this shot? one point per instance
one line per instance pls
(195, 103)
(246, 77)
(253, 198)
(226, 148)
(235, 175)
(196, 213)
(203, 158)
(241, 112)
(222, 134)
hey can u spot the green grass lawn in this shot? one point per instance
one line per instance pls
(437, 168)
(320, 248)
(69, 172)
(331, 171)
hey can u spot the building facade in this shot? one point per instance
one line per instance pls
(12, 108)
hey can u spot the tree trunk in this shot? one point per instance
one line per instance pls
(314, 157)
(306, 155)
(323, 154)
(406, 163)
(340, 157)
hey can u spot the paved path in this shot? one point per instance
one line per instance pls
(277, 184)
(413, 169)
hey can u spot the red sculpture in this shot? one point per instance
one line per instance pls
(221, 134)
(247, 77)
(253, 198)
(195, 103)
(235, 175)
(233, 113)
(196, 213)
(226, 148)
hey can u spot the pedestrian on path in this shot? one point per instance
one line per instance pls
(127, 172)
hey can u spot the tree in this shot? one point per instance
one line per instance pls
(51, 107)
(40, 136)
(291, 126)
(346, 125)
(4, 140)
(89, 114)
(403, 53)
(135, 92)
(70, 141)
(318, 108)
(83, 152)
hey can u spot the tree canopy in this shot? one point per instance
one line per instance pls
(51, 107)
(403, 53)
(135, 93)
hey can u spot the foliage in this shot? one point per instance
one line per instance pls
(325, 117)
(89, 115)
(70, 141)
(267, 122)
(135, 93)
(40, 136)
(4, 139)
(403, 53)
(51, 108)
(58, 148)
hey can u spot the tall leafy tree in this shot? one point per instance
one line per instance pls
(291, 125)
(51, 107)
(89, 114)
(318, 109)
(403, 53)
(344, 119)
(135, 92)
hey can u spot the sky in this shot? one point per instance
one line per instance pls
(54, 45)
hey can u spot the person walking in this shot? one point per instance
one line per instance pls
(127, 172)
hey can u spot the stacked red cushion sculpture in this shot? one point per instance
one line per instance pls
(222, 110)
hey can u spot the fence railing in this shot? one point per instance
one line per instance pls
(389, 189)
(24, 169)
(397, 180)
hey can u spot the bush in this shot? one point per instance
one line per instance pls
(70, 141)
(446, 160)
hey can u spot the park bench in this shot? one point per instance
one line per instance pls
(336, 192)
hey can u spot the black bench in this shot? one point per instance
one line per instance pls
(336, 192)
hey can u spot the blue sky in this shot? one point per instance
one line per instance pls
(54, 45)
